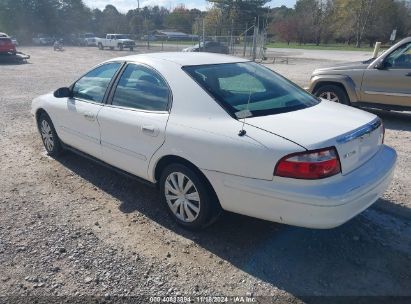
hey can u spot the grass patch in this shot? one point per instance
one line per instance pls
(309, 46)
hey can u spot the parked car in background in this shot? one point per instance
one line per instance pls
(208, 46)
(43, 40)
(118, 41)
(218, 132)
(7, 46)
(14, 41)
(383, 82)
(87, 39)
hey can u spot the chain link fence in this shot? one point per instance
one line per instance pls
(249, 44)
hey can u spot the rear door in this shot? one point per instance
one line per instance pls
(133, 124)
(392, 85)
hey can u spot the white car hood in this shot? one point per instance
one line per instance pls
(313, 126)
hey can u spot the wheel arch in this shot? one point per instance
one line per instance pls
(37, 114)
(40, 111)
(343, 82)
(166, 160)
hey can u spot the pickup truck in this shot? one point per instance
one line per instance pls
(113, 41)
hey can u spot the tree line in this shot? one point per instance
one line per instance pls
(344, 21)
(310, 21)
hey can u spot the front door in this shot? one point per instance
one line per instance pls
(133, 124)
(391, 85)
(78, 123)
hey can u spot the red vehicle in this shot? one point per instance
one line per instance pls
(7, 46)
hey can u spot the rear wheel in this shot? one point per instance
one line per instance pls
(100, 46)
(188, 197)
(333, 93)
(49, 136)
(131, 49)
(120, 46)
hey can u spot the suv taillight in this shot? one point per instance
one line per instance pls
(315, 164)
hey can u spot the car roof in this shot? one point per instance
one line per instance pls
(182, 58)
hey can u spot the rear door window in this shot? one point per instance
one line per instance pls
(141, 88)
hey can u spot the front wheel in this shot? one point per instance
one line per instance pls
(49, 136)
(188, 197)
(120, 47)
(131, 49)
(100, 46)
(333, 93)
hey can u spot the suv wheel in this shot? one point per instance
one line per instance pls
(49, 136)
(188, 198)
(333, 93)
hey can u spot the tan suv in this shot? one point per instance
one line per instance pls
(383, 82)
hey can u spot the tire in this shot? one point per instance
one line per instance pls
(49, 136)
(131, 49)
(111, 47)
(198, 205)
(100, 46)
(120, 47)
(333, 93)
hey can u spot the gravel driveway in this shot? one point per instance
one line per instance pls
(70, 227)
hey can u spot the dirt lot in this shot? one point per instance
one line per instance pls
(71, 227)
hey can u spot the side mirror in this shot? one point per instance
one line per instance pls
(62, 93)
(382, 65)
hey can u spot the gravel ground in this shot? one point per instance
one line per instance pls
(70, 227)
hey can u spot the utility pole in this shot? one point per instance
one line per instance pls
(254, 49)
(231, 36)
(245, 39)
(203, 31)
(198, 33)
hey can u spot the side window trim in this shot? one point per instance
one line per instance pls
(114, 86)
(110, 84)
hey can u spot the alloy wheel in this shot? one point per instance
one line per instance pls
(182, 197)
(331, 96)
(47, 135)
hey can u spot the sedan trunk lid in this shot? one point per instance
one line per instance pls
(356, 134)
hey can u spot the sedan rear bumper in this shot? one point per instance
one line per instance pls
(320, 204)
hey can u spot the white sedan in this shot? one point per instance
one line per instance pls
(216, 132)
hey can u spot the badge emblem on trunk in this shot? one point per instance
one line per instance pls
(349, 154)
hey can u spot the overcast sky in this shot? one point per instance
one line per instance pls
(125, 5)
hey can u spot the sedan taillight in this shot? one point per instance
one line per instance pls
(315, 164)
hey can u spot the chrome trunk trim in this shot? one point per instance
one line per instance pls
(361, 131)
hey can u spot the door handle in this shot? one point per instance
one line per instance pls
(150, 130)
(89, 116)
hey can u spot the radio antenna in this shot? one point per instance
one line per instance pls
(245, 113)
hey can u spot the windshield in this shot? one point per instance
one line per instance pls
(251, 88)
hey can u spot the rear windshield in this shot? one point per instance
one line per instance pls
(248, 89)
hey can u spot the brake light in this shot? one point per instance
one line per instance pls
(315, 164)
